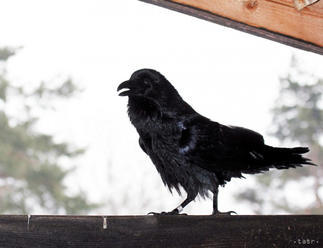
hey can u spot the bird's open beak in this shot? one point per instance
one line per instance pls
(125, 85)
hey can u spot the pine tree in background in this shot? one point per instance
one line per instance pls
(31, 176)
(297, 120)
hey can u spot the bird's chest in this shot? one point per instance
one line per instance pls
(164, 140)
(161, 142)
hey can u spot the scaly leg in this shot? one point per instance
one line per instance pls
(215, 204)
(179, 209)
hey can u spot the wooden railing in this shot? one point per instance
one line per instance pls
(161, 231)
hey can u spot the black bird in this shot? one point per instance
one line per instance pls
(191, 151)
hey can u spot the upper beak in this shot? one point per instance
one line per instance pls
(125, 85)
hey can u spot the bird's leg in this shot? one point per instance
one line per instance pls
(179, 209)
(215, 204)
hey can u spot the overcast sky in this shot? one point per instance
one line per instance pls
(226, 75)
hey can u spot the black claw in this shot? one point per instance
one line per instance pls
(174, 212)
(153, 213)
(218, 213)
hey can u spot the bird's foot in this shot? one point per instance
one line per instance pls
(218, 213)
(174, 212)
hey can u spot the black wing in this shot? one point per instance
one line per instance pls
(145, 142)
(142, 145)
(219, 148)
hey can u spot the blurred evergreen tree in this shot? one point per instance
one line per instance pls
(297, 120)
(31, 178)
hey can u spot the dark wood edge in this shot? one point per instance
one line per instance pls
(163, 216)
(261, 32)
(292, 231)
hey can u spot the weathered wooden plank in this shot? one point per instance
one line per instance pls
(161, 231)
(276, 20)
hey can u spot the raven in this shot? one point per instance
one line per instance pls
(189, 150)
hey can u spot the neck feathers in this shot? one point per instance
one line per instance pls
(142, 110)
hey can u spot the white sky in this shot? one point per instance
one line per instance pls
(226, 75)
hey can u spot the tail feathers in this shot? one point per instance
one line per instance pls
(284, 158)
(297, 150)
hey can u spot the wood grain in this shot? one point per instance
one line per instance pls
(161, 231)
(276, 16)
(276, 20)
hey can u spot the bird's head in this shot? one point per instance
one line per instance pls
(150, 90)
(147, 83)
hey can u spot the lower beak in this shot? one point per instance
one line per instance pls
(125, 85)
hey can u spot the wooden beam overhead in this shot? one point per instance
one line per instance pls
(277, 20)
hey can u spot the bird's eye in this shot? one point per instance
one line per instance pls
(146, 82)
